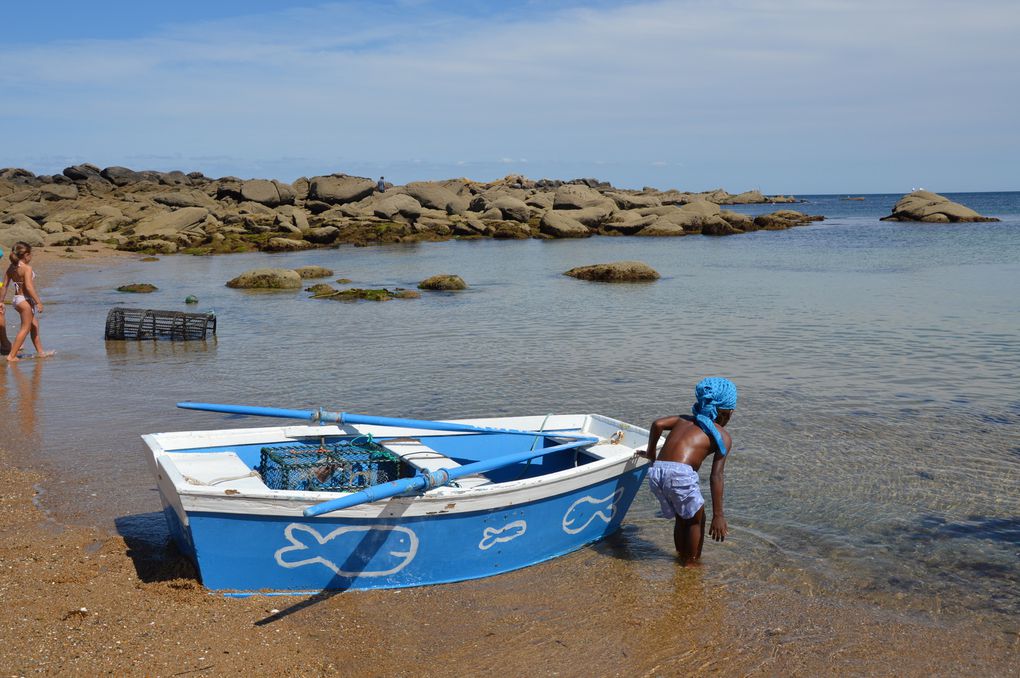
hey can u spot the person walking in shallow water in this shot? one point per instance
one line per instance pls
(20, 276)
(673, 478)
(5, 342)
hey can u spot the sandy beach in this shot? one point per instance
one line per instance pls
(84, 601)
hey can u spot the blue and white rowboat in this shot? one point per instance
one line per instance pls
(481, 497)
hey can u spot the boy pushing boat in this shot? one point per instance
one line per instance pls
(673, 477)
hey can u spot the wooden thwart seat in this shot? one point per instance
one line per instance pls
(423, 457)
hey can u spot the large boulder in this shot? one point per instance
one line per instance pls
(285, 245)
(121, 176)
(170, 223)
(397, 204)
(58, 192)
(437, 197)
(617, 271)
(270, 193)
(184, 198)
(15, 227)
(323, 235)
(559, 225)
(932, 208)
(576, 197)
(662, 226)
(267, 278)
(630, 201)
(338, 190)
(512, 208)
(83, 172)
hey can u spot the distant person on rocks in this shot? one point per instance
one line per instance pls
(381, 185)
(673, 477)
(20, 276)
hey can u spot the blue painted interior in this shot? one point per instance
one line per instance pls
(463, 449)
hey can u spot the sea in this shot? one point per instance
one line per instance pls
(876, 456)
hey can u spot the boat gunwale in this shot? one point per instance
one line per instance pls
(286, 501)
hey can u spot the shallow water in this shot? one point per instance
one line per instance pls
(877, 438)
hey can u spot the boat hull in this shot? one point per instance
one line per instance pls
(245, 537)
(280, 553)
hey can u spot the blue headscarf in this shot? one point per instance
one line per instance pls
(713, 394)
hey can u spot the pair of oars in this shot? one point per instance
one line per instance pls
(422, 483)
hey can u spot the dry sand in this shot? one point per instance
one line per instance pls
(77, 601)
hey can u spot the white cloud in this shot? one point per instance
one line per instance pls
(767, 84)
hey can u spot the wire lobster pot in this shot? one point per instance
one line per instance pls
(139, 323)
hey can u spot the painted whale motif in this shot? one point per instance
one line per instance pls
(359, 546)
(586, 510)
(493, 535)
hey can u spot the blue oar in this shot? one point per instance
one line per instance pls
(435, 479)
(341, 418)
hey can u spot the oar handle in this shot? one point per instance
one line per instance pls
(428, 481)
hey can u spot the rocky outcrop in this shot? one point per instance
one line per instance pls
(267, 278)
(617, 271)
(165, 212)
(932, 208)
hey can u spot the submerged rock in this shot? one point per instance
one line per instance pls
(932, 208)
(307, 272)
(443, 281)
(322, 290)
(138, 288)
(357, 294)
(267, 278)
(617, 271)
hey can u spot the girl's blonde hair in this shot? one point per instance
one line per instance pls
(19, 250)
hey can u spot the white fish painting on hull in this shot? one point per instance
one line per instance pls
(359, 546)
(586, 510)
(492, 535)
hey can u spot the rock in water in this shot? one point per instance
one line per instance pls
(267, 278)
(444, 281)
(138, 288)
(307, 272)
(932, 208)
(617, 271)
(191, 299)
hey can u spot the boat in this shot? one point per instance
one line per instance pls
(346, 501)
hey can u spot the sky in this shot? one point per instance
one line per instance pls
(787, 96)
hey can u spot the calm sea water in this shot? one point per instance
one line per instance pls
(877, 437)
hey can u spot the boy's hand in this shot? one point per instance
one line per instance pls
(718, 530)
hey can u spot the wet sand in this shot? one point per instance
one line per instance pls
(78, 600)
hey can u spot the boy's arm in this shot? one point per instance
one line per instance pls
(718, 528)
(655, 432)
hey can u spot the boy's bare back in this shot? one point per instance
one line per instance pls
(686, 442)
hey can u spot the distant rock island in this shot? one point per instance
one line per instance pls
(932, 208)
(168, 212)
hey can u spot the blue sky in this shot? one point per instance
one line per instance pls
(790, 96)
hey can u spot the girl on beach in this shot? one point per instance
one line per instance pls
(20, 276)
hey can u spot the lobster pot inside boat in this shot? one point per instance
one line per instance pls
(345, 466)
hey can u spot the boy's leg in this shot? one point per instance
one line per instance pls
(680, 538)
(701, 541)
(693, 537)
